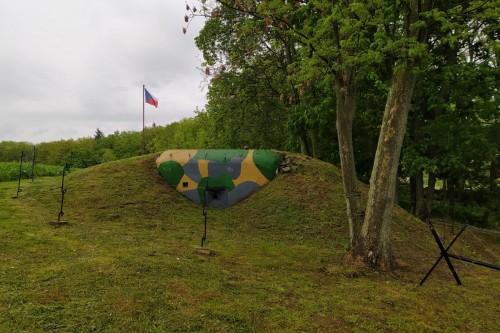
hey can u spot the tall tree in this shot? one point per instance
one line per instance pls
(455, 110)
(339, 39)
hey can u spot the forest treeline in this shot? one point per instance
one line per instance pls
(102, 148)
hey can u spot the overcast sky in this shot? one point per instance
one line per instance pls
(68, 67)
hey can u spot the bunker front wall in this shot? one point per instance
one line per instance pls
(218, 178)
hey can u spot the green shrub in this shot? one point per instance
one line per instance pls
(9, 171)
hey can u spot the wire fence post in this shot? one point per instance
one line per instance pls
(20, 174)
(63, 192)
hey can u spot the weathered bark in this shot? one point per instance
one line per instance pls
(375, 249)
(346, 106)
(345, 91)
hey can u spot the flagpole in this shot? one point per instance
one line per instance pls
(143, 142)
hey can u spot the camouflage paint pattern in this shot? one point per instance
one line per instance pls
(218, 177)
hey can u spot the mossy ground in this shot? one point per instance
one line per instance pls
(127, 261)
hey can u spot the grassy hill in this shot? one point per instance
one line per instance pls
(127, 261)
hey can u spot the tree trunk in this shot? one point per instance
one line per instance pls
(429, 195)
(417, 194)
(450, 194)
(346, 106)
(314, 145)
(375, 249)
(304, 146)
(417, 179)
(494, 173)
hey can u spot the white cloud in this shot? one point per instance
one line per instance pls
(68, 67)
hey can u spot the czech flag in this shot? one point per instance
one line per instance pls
(150, 99)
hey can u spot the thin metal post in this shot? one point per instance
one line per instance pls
(60, 223)
(20, 173)
(63, 191)
(204, 238)
(473, 261)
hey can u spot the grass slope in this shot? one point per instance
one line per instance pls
(126, 263)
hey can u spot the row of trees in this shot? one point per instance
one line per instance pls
(340, 78)
(101, 148)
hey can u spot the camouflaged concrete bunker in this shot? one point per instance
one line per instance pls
(216, 177)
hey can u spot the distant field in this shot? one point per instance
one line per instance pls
(10, 171)
(127, 261)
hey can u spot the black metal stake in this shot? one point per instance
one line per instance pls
(441, 255)
(204, 238)
(447, 256)
(63, 192)
(444, 253)
(20, 173)
(474, 261)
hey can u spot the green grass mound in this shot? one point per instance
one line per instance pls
(127, 261)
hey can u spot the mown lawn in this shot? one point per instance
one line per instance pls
(127, 261)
